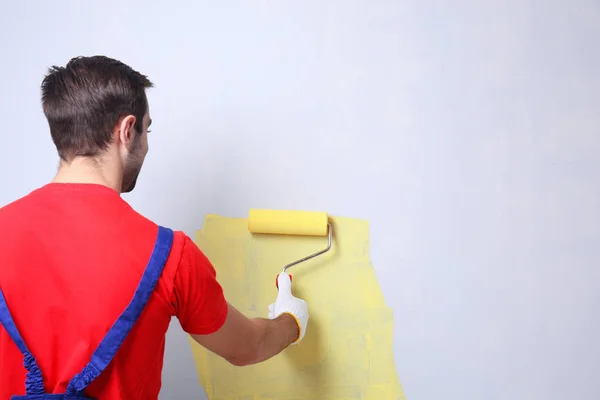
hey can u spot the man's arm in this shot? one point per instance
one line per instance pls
(244, 341)
(199, 304)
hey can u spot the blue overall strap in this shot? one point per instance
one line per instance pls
(34, 383)
(108, 347)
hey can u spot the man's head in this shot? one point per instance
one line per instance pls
(97, 108)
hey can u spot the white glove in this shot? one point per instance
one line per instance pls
(287, 303)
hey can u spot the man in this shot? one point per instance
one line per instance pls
(76, 259)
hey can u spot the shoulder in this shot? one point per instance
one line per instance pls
(187, 281)
(185, 255)
(16, 203)
(17, 208)
(177, 263)
(179, 246)
(198, 300)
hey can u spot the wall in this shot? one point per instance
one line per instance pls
(467, 132)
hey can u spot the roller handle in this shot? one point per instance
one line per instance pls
(277, 280)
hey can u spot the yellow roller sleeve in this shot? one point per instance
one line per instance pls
(281, 222)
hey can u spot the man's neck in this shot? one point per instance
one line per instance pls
(86, 170)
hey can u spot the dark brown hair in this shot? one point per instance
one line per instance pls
(84, 101)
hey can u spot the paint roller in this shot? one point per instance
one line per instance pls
(299, 223)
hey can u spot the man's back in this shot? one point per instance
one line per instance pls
(70, 261)
(72, 255)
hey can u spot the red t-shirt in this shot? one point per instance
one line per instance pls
(71, 257)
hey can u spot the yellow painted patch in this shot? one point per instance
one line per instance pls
(347, 351)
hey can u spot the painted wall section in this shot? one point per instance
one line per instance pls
(347, 351)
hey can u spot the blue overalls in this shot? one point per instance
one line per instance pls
(108, 347)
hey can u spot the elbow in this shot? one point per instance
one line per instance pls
(240, 361)
(244, 358)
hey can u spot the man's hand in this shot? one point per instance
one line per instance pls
(244, 341)
(286, 303)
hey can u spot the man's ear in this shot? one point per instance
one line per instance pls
(126, 130)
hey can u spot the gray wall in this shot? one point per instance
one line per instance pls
(467, 132)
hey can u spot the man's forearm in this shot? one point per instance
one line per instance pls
(273, 336)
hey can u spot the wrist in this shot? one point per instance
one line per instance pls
(290, 326)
